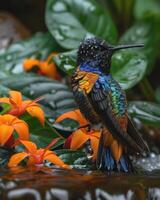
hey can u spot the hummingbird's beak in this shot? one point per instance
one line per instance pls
(127, 46)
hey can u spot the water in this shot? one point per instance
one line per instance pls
(43, 183)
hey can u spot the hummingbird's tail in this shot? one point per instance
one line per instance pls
(111, 156)
(110, 164)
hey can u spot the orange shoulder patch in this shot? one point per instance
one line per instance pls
(86, 80)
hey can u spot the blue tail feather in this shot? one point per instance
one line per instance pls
(124, 166)
(109, 161)
(109, 164)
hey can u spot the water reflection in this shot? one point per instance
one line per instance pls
(21, 193)
(43, 183)
(101, 194)
(154, 193)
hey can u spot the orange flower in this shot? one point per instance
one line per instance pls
(75, 115)
(19, 107)
(80, 137)
(35, 156)
(46, 67)
(9, 124)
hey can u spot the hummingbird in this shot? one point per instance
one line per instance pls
(103, 103)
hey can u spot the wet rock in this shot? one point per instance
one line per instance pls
(11, 30)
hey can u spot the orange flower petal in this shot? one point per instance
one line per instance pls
(7, 118)
(20, 126)
(27, 103)
(75, 115)
(31, 161)
(30, 146)
(16, 97)
(96, 134)
(116, 149)
(37, 112)
(5, 133)
(49, 69)
(28, 64)
(51, 157)
(16, 159)
(4, 100)
(22, 129)
(78, 139)
(51, 56)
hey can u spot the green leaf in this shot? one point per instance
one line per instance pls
(70, 21)
(66, 127)
(147, 112)
(157, 94)
(146, 9)
(57, 98)
(40, 46)
(41, 135)
(77, 158)
(5, 155)
(66, 61)
(3, 90)
(143, 32)
(128, 68)
(4, 108)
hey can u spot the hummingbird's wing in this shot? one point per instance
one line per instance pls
(105, 105)
(134, 134)
(82, 83)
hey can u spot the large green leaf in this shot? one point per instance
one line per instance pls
(39, 46)
(70, 21)
(41, 135)
(128, 68)
(143, 32)
(147, 112)
(57, 99)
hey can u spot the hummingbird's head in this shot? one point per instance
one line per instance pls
(98, 52)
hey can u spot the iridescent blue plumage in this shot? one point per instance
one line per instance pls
(118, 99)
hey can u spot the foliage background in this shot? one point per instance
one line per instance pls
(60, 25)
